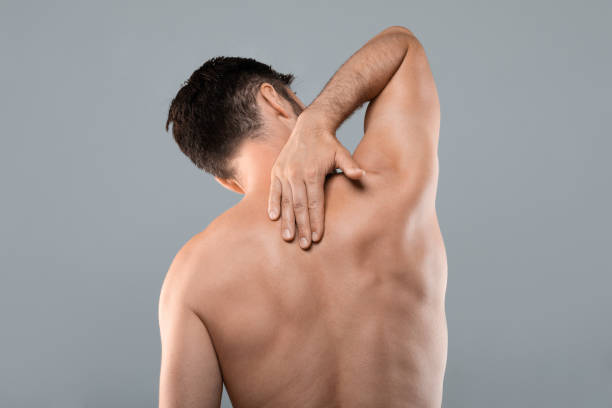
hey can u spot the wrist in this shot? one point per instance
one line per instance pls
(321, 117)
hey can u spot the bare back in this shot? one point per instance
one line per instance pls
(358, 320)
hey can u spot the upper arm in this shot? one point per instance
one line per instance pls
(190, 375)
(401, 127)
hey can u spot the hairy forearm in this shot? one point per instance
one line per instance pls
(363, 76)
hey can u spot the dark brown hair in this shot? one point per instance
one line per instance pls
(216, 109)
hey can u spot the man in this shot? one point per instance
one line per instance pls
(354, 318)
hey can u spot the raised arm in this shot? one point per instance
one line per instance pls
(361, 78)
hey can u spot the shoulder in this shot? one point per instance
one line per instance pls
(210, 260)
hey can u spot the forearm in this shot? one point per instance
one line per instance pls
(362, 77)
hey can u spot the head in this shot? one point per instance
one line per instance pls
(232, 116)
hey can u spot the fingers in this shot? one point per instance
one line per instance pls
(274, 198)
(287, 216)
(300, 208)
(349, 167)
(316, 208)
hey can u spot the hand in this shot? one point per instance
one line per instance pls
(298, 176)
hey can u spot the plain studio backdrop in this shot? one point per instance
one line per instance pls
(96, 197)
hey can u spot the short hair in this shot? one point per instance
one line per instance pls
(216, 109)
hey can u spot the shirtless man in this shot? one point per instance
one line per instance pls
(354, 318)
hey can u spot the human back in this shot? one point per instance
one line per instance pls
(357, 320)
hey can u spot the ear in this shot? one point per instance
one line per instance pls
(230, 184)
(274, 99)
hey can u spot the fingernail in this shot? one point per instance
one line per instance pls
(286, 234)
(315, 236)
(303, 242)
(272, 213)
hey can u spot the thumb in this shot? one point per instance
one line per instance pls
(345, 161)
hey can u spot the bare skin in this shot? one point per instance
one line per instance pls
(358, 319)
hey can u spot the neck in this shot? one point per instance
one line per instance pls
(256, 160)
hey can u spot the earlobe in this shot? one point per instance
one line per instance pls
(231, 185)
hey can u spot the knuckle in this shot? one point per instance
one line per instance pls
(311, 175)
(313, 204)
(303, 228)
(299, 206)
(286, 202)
(293, 174)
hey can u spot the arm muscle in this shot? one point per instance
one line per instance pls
(190, 375)
(402, 126)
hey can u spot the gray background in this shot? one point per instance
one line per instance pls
(97, 198)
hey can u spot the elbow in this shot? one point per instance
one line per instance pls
(407, 35)
(397, 29)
